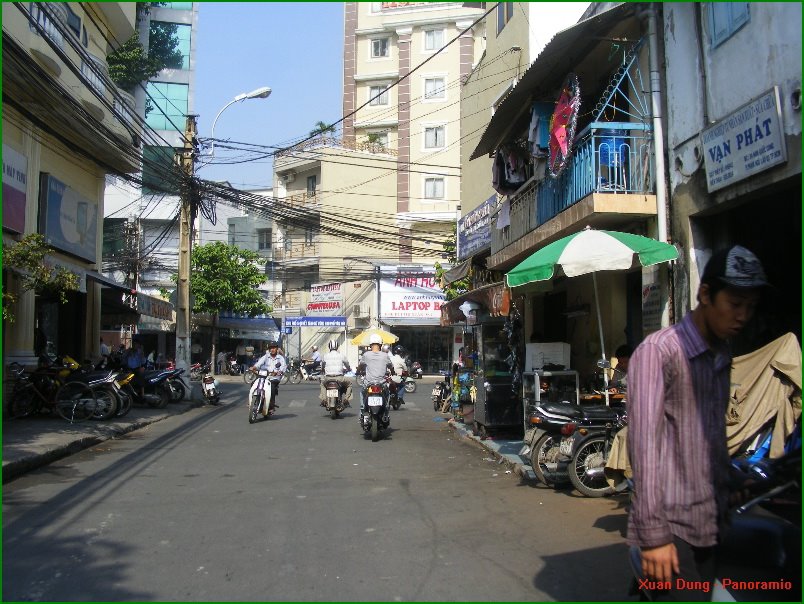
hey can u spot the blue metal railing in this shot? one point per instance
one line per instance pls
(608, 157)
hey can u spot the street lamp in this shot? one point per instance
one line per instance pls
(259, 93)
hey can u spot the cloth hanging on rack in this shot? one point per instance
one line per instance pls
(509, 169)
(504, 216)
(539, 130)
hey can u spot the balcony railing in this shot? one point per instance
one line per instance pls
(95, 72)
(329, 141)
(608, 157)
(304, 198)
(45, 16)
(297, 251)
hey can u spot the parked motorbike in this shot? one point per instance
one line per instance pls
(555, 429)
(156, 392)
(209, 388)
(590, 451)
(177, 385)
(761, 548)
(442, 391)
(375, 416)
(232, 367)
(104, 387)
(335, 402)
(198, 369)
(259, 400)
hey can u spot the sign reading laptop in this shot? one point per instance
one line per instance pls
(15, 187)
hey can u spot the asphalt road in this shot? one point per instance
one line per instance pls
(206, 507)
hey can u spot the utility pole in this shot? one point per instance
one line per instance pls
(186, 160)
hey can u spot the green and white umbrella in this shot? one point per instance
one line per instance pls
(591, 251)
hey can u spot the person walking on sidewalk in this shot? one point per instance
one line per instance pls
(678, 390)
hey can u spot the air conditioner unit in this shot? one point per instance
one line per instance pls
(362, 322)
(357, 311)
(289, 177)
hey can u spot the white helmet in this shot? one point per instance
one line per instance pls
(386, 348)
(375, 339)
(315, 347)
(333, 344)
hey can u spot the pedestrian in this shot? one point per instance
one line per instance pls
(221, 361)
(105, 352)
(619, 379)
(135, 361)
(678, 390)
(240, 352)
(195, 351)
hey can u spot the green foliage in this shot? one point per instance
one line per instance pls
(225, 277)
(456, 288)
(322, 128)
(28, 257)
(131, 64)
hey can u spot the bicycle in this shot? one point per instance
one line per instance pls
(44, 391)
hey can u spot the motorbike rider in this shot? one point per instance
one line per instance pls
(398, 361)
(373, 366)
(334, 364)
(314, 362)
(274, 363)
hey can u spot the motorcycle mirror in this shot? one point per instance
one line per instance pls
(603, 364)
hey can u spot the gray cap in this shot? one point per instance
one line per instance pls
(736, 267)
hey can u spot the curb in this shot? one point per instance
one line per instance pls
(519, 468)
(14, 469)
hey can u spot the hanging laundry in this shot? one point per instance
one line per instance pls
(504, 216)
(539, 130)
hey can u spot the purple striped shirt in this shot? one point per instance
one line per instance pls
(678, 390)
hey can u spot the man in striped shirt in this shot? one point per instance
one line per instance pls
(678, 389)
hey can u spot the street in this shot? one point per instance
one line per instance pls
(203, 507)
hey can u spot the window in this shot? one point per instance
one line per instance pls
(162, 33)
(379, 48)
(263, 239)
(434, 88)
(380, 139)
(381, 92)
(725, 18)
(505, 10)
(434, 188)
(157, 170)
(311, 183)
(114, 239)
(178, 5)
(433, 39)
(73, 21)
(434, 137)
(169, 106)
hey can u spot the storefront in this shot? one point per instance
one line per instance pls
(410, 307)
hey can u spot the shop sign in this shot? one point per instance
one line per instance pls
(651, 308)
(325, 299)
(154, 307)
(474, 229)
(68, 221)
(411, 296)
(746, 142)
(15, 188)
(315, 322)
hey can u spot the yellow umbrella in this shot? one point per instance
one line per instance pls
(362, 339)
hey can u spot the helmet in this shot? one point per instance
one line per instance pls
(400, 350)
(375, 339)
(333, 345)
(386, 348)
(315, 347)
(272, 344)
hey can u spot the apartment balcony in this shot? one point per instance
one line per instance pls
(37, 80)
(309, 200)
(608, 182)
(298, 254)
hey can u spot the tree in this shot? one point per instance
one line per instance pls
(322, 128)
(130, 64)
(27, 257)
(459, 287)
(225, 277)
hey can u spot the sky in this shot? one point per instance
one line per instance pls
(295, 48)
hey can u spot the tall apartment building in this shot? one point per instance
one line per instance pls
(376, 204)
(65, 126)
(143, 220)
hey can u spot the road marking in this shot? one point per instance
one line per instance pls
(297, 403)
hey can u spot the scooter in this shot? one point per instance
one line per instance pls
(156, 393)
(394, 399)
(232, 367)
(259, 399)
(209, 388)
(442, 391)
(177, 384)
(416, 370)
(590, 452)
(335, 402)
(312, 376)
(375, 415)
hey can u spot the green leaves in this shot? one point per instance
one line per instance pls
(456, 288)
(225, 277)
(27, 258)
(131, 64)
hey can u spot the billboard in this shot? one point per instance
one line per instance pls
(68, 221)
(474, 229)
(325, 299)
(411, 295)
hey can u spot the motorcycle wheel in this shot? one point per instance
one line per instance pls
(249, 377)
(123, 403)
(75, 402)
(545, 460)
(436, 403)
(179, 392)
(284, 379)
(164, 398)
(410, 386)
(333, 413)
(295, 377)
(396, 405)
(375, 429)
(105, 404)
(253, 409)
(590, 456)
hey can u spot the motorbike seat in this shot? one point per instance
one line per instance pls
(600, 413)
(570, 410)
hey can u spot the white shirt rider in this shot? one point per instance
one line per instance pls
(273, 363)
